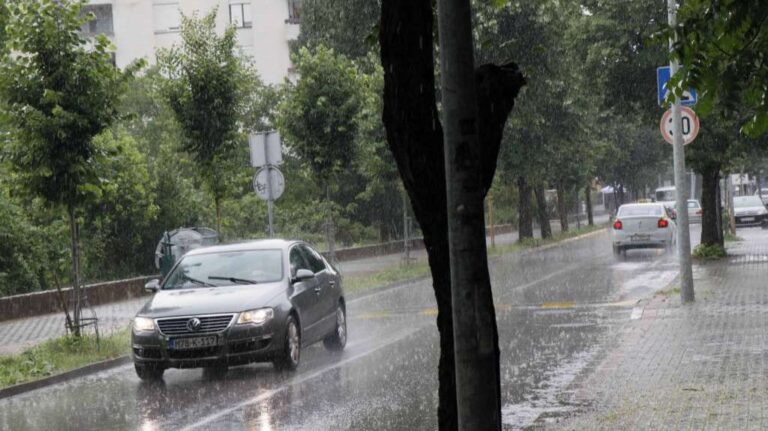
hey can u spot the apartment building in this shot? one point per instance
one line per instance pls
(139, 27)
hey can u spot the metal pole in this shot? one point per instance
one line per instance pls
(683, 234)
(269, 186)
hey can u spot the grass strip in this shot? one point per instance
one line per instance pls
(62, 354)
(420, 268)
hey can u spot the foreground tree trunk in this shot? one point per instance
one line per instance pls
(414, 135)
(711, 220)
(562, 207)
(588, 204)
(74, 234)
(524, 213)
(541, 210)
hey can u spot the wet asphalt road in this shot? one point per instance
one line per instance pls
(558, 310)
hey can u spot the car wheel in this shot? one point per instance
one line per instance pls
(338, 338)
(290, 353)
(617, 251)
(149, 372)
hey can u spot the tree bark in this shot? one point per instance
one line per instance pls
(75, 244)
(541, 210)
(414, 135)
(524, 213)
(711, 221)
(217, 204)
(588, 204)
(562, 207)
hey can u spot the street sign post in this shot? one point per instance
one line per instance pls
(689, 125)
(268, 183)
(663, 74)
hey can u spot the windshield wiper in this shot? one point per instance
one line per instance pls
(233, 279)
(200, 282)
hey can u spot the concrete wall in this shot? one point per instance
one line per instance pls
(36, 303)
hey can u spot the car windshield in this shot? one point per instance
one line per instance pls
(693, 204)
(639, 210)
(226, 269)
(747, 201)
(665, 195)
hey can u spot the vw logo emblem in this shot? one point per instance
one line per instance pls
(194, 324)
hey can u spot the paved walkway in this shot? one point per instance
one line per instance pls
(17, 335)
(694, 367)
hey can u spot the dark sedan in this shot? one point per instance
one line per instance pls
(236, 304)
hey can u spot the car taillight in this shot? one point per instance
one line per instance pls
(663, 223)
(617, 225)
(699, 212)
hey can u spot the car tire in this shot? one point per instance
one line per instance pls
(338, 338)
(617, 251)
(287, 359)
(149, 372)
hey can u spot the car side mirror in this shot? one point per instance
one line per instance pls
(152, 286)
(303, 274)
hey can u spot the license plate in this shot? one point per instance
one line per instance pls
(638, 237)
(747, 219)
(193, 343)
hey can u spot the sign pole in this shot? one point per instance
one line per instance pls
(271, 198)
(681, 185)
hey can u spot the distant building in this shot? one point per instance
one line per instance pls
(138, 27)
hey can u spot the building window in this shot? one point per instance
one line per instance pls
(240, 14)
(167, 16)
(294, 11)
(102, 23)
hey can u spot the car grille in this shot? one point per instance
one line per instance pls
(195, 353)
(208, 324)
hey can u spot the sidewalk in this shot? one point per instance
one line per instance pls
(703, 366)
(20, 334)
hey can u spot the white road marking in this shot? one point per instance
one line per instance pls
(637, 313)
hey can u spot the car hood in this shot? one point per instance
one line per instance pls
(748, 211)
(211, 300)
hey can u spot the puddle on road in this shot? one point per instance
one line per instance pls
(542, 402)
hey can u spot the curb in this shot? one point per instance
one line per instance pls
(63, 377)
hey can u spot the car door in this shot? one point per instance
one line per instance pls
(304, 295)
(327, 291)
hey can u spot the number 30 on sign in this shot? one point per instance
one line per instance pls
(690, 125)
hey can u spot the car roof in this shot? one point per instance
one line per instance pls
(643, 204)
(261, 244)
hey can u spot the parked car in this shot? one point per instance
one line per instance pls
(763, 195)
(241, 303)
(643, 226)
(694, 211)
(749, 210)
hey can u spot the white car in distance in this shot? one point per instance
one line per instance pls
(648, 225)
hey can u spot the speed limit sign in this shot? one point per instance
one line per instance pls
(690, 125)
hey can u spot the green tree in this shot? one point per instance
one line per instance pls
(60, 91)
(317, 117)
(346, 26)
(205, 78)
(723, 45)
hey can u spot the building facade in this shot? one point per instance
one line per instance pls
(138, 28)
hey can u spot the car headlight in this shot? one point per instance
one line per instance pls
(143, 324)
(256, 317)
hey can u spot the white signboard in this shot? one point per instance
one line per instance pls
(689, 120)
(265, 149)
(261, 183)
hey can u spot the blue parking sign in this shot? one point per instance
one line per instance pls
(662, 78)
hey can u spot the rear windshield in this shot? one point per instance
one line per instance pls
(693, 204)
(747, 201)
(639, 210)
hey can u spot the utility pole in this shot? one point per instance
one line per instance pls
(681, 185)
(474, 319)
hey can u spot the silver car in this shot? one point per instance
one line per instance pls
(643, 226)
(749, 210)
(694, 211)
